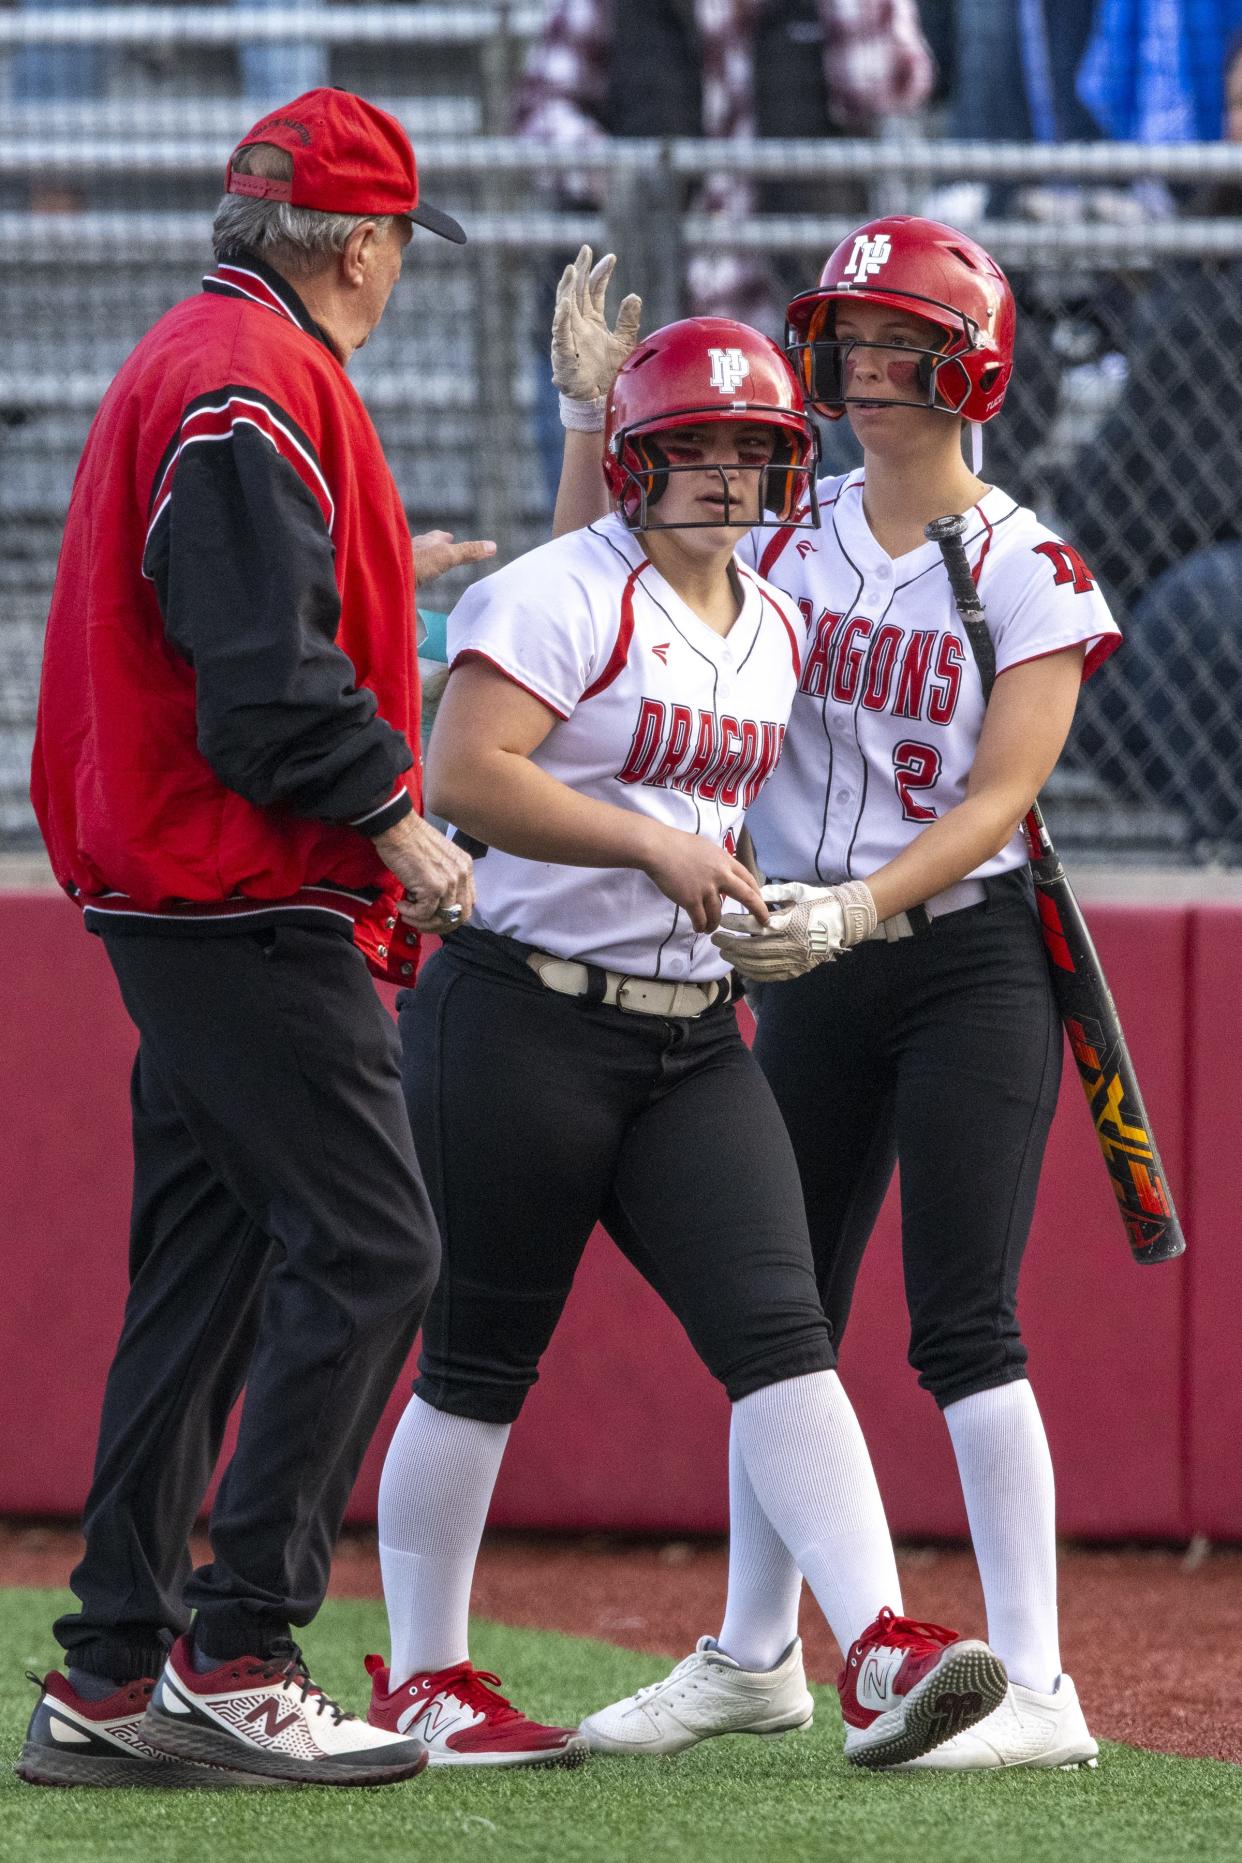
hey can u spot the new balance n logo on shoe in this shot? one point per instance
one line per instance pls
(438, 1718)
(272, 1716)
(875, 1678)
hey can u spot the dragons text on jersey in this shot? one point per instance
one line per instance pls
(656, 712)
(884, 728)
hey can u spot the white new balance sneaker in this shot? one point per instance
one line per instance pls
(1028, 1729)
(264, 1715)
(706, 1694)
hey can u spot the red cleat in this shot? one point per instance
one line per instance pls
(906, 1687)
(462, 1721)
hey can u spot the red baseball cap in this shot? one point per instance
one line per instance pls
(348, 157)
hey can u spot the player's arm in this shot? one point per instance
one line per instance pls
(586, 355)
(1024, 732)
(481, 778)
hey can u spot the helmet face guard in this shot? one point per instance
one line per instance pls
(942, 377)
(925, 270)
(787, 495)
(704, 372)
(638, 471)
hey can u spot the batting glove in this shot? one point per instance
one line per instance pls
(586, 354)
(809, 925)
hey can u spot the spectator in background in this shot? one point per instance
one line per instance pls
(1153, 499)
(271, 69)
(728, 70)
(56, 71)
(1151, 72)
(64, 73)
(1014, 67)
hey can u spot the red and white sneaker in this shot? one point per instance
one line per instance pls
(73, 1741)
(264, 1715)
(462, 1721)
(907, 1687)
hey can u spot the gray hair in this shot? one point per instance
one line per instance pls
(296, 240)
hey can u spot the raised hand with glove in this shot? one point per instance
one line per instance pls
(809, 925)
(586, 353)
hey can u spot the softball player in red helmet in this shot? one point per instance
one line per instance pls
(892, 822)
(616, 704)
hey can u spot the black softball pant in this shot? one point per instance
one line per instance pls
(536, 1115)
(941, 1052)
(281, 1238)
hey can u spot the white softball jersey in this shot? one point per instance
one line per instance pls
(656, 712)
(889, 707)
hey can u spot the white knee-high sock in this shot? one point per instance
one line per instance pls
(433, 1500)
(1006, 1474)
(812, 1476)
(765, 1585)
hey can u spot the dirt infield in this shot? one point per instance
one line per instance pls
(1147, 1634)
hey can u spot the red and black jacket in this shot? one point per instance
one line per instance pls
(230, 680)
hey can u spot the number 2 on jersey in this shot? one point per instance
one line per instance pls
(915, 766)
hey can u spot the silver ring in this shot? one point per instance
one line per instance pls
(450, 914)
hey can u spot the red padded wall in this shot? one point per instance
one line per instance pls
(1214, 1334)
(625, 1429)
(65, 1056)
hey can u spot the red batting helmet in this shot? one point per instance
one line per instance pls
(931, 271)
(707, 370)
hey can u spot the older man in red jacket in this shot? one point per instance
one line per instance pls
(227, 780)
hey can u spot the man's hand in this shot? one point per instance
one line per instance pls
(436, 875)
(693, 872)
(586, 354)
(808, 926)
(435, 553)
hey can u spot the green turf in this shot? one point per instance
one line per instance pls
(740, 1800)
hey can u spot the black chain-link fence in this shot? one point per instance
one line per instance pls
(1123, 427)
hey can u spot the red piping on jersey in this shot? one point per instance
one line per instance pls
(625, 634)
(777, 544)
(780, 612)
(472, 653)
(987, 545)
(1106, 645)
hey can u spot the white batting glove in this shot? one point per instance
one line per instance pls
(809, 925)
(586, 354)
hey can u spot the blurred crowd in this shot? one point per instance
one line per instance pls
(57, 72)
(1146, 487)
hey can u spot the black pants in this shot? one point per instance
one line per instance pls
(281, 1239)
(537, 1115)
(943, 1052)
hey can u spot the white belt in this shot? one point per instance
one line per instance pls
(953, 899)
(643, 996)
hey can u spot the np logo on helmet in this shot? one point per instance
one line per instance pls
(729, 370)
(868, 256)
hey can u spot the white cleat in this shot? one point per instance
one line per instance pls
(706, 1694)
(1028, 1729)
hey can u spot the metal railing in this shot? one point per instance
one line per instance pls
(470, 22)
